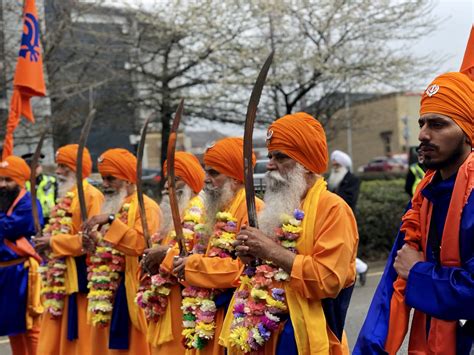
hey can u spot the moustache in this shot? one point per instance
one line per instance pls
(423, 146)
(61, 179)
(210, 188)
(109, 192)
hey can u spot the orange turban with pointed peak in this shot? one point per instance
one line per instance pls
(227, 157)
(452, 95)
(188, 168)
(16, 169)
(302, 138)
(67, 155)
(119, 163)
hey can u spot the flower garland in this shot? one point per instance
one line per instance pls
(154, 290)
(54, 269)
(259, 304)
(199, 308)
(104, 270)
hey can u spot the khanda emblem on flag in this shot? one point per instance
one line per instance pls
(30, 38)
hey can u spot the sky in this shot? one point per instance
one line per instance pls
(449, 39)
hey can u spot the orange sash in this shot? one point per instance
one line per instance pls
(415, 223)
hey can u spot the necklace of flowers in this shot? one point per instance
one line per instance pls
(199, 308)
(106, 264)
(259, 304)
(53, 270)
(152, 295)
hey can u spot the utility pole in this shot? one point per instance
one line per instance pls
(406, 133)
(347, 106)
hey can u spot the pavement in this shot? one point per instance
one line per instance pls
(360, 303)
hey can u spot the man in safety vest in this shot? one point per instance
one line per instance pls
(46, 186)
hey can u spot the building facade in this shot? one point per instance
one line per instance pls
(384, 125)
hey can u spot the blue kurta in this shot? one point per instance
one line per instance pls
(441, 292)
(14, 279)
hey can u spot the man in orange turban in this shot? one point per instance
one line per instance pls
(66, 330)
(431, 266)
(215, 272)
(162, 304)
(118, 323)
(297, 299)
(20, 304)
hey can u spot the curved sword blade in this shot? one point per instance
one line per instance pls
(34, 165)
(248, 136)
(141, 202)
(171, 180)
(80, 153)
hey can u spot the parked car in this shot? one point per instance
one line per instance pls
(151, 175)
(385, 164)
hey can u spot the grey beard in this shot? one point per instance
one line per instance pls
(282, 196)
(113, 202)
(166, 218)
(215, 199)
(336, 177)
(65, 185)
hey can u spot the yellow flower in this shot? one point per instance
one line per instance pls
(238, 338)
(277, 304)
(259, 294)
(225, 217)
(205, 330)
(291, 229)
(285, 218)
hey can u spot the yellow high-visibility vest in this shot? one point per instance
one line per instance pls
(45, 193)
(418, 173)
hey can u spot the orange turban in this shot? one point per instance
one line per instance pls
(119, 163)
(452, 95)
(302, 138)
(227, 157)
(188, 168)
(67, 155)
(16, 169)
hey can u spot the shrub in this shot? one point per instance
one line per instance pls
(379, 210)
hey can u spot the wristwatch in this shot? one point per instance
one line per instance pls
(111, 218)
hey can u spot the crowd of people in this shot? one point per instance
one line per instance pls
(100, 286)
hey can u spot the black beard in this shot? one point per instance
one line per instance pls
(7, 197)
(450, 160)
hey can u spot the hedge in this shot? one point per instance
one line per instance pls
(379, 209)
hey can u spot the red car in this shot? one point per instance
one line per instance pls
(385, 164)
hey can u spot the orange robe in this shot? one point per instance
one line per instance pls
(128, 239)
(53, 337)
(325, 265)
(215, 272)
(165, 336)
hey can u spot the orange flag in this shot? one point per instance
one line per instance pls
(28, 80)
(467, 66)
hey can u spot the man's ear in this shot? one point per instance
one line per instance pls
(236, 184)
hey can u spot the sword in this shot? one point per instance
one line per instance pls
(80, 153)
(171, 180)
(248, 134)
(34, 205)
(141, 202)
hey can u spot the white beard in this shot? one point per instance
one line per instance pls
(215, 199)
(113, 202)
(166, 221)
(65, 184)
(282, 196)
(335, 177)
